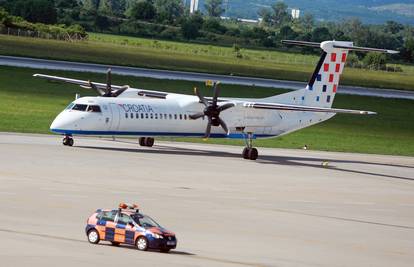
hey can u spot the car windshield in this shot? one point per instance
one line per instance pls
(144, 221)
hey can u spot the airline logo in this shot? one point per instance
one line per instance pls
(136, 108)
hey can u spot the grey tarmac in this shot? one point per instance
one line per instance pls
(288, 208)
(192, 76)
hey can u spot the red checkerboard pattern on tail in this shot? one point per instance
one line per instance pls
(325, 83)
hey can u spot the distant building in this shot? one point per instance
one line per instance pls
(295, 13)
(193, 6)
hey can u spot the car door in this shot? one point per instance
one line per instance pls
(125, 230)
(106, 225)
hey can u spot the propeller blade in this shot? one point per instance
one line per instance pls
(109, 81)
(225, 106)
(119, 91)
(96, 89)
(208, 129)
(216, 93)
(202, 99)
(197, 116)
(224, 126)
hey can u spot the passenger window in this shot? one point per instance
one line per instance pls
(126, 115)
(124, 219)
(156, 116)
(108, 215)
(165, 116)
(175, 116)
(151, 116)
(146, 115)
(160, 116)
(181, 116)
(132, 115)
(80, 107)
(185, 116)
(170, 117)
(142, 115)
(93, 108)
(136, 115)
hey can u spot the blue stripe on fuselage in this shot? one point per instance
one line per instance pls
(169, 134)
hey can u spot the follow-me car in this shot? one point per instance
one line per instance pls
(126, 225)
(125, 111)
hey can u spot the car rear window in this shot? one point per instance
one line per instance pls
(107, 215)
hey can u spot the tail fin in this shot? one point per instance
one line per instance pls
(323, 84)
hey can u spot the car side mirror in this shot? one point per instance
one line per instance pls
(131, 224)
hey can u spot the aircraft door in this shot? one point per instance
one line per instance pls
(114, 119)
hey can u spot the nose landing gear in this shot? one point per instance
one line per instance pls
(146, 141)
(250, 152)
(67, 140)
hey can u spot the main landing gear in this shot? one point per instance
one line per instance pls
(67, 140)
(146, 141)
(250, 152)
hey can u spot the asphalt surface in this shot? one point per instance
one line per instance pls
(191, 76)
(285, 209)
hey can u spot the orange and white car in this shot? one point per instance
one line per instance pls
(126, 225)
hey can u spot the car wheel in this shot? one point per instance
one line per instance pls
(142, 243)
(115, 243)
(93, 236)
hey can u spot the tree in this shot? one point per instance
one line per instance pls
(142, 10)
(376, 61)
(280, 14)
(393, 27)
(190, 27)
(169, 11)
(214, 8)
(105, 7)
(42, 11)
(321, 34)
(307, 22)
(68, 11)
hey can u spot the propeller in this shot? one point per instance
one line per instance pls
(212, 111)
(107, 92)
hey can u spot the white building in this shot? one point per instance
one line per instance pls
(193, 6)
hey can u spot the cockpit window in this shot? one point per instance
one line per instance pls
(70, 106)
(79, 107)
(93, 108)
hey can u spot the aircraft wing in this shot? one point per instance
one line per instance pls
(101, 87)
(286, 107)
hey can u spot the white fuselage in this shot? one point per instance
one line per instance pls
(135, 116)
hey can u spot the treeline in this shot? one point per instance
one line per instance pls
(170, 19)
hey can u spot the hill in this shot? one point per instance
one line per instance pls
(369, 11)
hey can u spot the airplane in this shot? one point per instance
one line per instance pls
(126, 111)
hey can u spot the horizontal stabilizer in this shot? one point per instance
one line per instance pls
(337, 44)
(286, 107)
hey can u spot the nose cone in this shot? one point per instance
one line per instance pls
(63, 123)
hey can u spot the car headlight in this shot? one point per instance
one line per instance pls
(156, 236)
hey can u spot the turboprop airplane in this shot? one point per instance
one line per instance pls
(126, 111)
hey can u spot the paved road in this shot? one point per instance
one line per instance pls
(283, 210)
(190, 76)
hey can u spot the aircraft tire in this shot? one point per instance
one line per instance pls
(149, 142)
(253, 153)
(70, 142)
(142, 141)
(245, 153)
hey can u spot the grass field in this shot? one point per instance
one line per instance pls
(130, 51)
(29, 104)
